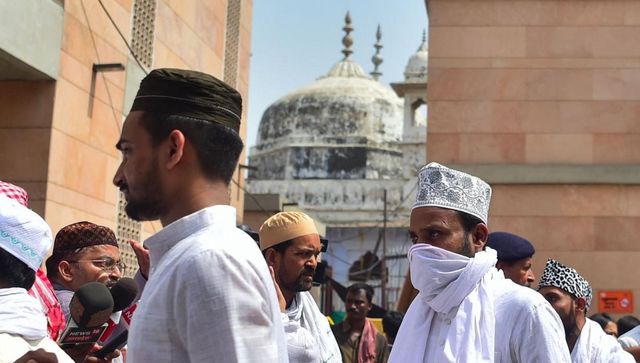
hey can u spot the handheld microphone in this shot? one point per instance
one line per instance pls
(116, 343)
(124, 292)
(90, 309)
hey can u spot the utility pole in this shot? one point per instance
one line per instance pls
(384, 253)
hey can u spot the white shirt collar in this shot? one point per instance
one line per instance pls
(164, 240)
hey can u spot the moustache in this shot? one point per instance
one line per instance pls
(309, 272)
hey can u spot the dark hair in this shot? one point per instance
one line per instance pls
(368, 290)
(391, 322)
(280, 247)
(218, 147)
(627, 323)
(603, 319)
(468, 221)
(15, 273)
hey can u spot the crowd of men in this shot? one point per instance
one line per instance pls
(206, 292)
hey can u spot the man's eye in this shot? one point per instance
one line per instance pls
(434, 234)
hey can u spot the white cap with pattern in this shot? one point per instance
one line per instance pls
(439, 186)
(23, 233)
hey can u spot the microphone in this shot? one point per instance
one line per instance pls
(124, 292)
(90, 309)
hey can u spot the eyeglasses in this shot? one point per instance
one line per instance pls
(106, 264)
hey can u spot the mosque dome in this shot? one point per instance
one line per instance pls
(345, 106)
(341, 119)
(416, 69)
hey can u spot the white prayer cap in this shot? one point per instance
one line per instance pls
(23, 233)
(439, 186)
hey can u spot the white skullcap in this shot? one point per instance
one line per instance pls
(285, 226)
(23, 233)
(439, 186)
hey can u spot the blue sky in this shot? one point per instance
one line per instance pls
(296, 41)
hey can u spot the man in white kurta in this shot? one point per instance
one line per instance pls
(570, 295)
(208, 291)
(466, 311)
(291, 244)
(209, 297)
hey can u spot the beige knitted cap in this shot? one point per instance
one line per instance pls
(285, 226)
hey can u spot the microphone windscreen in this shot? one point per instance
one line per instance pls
(123, 292)
(90, 304)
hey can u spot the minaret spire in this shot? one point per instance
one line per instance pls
(347, 41)
(377, 58)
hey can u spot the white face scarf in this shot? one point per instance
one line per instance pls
(21, 314)
(446, 281)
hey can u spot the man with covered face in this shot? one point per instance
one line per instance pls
(290, 244)
(466, 311)
(570, 295)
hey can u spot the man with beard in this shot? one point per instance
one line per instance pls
(514, 257)
(570, 295)
(290, 244)
(83, 252)
(359, 340)
(466, 311)
(209, 294)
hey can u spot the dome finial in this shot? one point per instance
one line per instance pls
(423, 45)
(377, 58)
(347, 41)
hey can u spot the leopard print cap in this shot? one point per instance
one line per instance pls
(566, 278)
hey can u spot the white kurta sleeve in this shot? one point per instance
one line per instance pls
(538, 336)
(223, 310)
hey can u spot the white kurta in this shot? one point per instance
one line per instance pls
(631, 338)
(209, 297)
(527, 329)
(23, 327)
(596, 346)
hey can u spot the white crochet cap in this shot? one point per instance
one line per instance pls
(23, 233)
(439, 186)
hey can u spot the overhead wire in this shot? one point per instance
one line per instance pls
(133, 54)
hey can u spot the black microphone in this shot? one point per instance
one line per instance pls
(123, 292)
(90, 309)
(116, 343)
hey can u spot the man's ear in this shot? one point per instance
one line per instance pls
(581, 305)
(175, 151)
(480, 235)
(65, 272)
(273, 258)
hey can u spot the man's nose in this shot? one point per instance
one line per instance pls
(531, 276)
(117, 177)
(313, 262)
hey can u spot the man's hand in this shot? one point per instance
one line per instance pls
(38, 356)
(142, 254)
(281, 301)
(83, 353)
